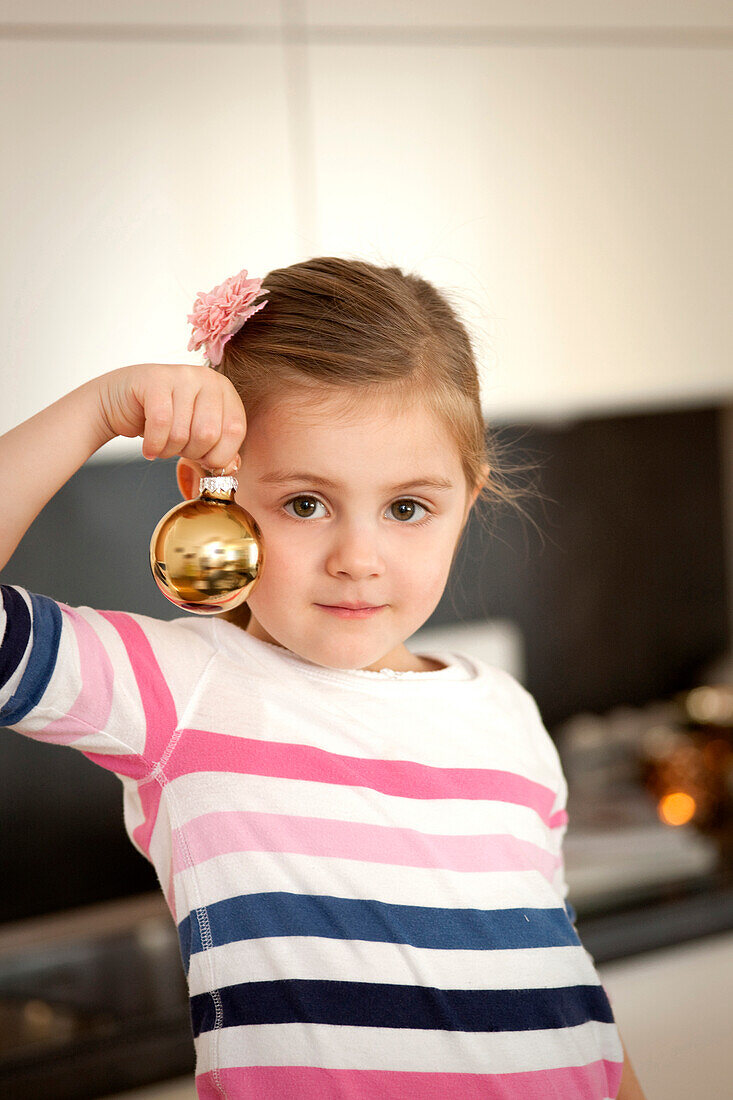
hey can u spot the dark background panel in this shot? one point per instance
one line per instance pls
(616, 576)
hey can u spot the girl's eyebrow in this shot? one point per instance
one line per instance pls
(278, 477)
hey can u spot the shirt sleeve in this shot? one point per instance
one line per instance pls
(558, 829)
(111, 684)
(549, 760)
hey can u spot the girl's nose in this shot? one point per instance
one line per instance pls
(355, 552)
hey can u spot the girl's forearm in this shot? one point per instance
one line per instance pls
(41, 454)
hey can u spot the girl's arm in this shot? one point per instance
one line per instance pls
(69, 675)
(630, 1088)
(177, 409)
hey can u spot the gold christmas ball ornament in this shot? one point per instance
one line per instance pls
(206, 554)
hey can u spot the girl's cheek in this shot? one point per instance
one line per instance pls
(437, 571)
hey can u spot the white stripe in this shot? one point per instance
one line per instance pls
(408, 1049)
(310, 957)
(210, 792)
(239, 873)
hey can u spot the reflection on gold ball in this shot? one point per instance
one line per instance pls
(206, 554)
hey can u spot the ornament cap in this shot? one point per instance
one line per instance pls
(218, 485)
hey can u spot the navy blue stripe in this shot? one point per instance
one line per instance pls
(17, 632)
(253, 916)
(378, 1004)
(41, 661)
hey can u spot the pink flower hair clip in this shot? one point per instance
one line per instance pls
(222, 312)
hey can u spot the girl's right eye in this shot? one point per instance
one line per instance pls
(297, 502)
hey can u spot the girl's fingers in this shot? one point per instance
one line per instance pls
(235, 418)
(205, 427)
(222, 452)
(197, 415)
(179, 434)
(158, 408)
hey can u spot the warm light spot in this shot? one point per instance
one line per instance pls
(677, 808)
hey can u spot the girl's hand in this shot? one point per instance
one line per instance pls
(178, 409)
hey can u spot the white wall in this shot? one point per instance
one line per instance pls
(564, 169)
(673, 1011)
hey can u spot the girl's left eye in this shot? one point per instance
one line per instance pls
(405, 510)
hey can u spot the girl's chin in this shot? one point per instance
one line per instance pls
(334, 643)
(339, 656)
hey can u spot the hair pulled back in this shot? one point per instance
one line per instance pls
(353, 326)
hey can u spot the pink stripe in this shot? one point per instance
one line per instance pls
(241, 831)
(93, 704)
(202, 750)
(592, 1082)
(558, 819)
(157, 701)
(160, 721)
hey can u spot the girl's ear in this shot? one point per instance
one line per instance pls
(188, 475)
(477, 488)
(472, 496)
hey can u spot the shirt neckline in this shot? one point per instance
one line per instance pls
(459, 667)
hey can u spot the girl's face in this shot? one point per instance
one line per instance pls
(349, 516)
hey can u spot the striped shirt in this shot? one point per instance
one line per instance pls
(365, 868)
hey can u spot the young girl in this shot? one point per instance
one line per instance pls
(360, 845)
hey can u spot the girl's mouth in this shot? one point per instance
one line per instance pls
(351, 612)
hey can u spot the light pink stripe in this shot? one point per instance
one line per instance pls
(202, 750)
(242, 831)
(592, 1082)
(93, 704)
(557, 819)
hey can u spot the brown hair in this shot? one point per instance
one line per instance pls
(351, 325)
